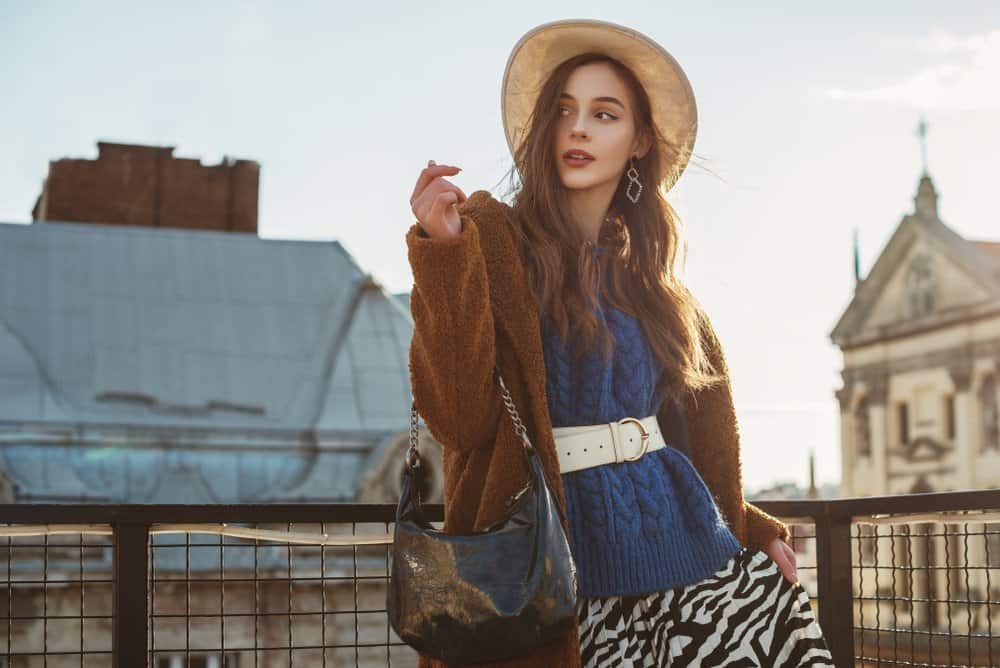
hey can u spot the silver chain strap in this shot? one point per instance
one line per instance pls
(413, 457)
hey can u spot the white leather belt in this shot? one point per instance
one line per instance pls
(626, 440)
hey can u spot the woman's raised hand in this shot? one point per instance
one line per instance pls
(435, 201)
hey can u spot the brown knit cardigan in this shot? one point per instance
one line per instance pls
(471, 305)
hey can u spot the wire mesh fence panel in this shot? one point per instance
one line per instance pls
(55, 600)
(234, 601)
(893, 581)
(925, 592)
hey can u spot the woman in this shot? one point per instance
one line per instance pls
(617, 371)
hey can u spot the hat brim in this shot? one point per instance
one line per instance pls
(544, 47)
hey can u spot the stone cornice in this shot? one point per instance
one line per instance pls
(921, 325)
(876, 380)
(957, 358)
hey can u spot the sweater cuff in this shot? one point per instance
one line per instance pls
(762, 528)
(417, 236)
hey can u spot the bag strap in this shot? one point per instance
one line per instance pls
(413, 456)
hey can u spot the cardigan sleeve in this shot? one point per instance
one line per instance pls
(714, 433)
(453, 349)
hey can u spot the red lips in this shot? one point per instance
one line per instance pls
(577, 151)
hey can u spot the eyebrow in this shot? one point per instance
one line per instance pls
(613, 100)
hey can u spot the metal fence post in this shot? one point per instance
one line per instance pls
(835, 586)
(130, 588)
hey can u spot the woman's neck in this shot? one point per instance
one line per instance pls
(589, 208)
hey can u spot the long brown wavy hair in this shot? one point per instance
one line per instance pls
(640, 242)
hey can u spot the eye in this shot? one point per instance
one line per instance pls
(608, 114)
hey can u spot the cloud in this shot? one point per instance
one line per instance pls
(965, 78)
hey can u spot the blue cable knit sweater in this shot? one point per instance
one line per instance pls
(635, 527)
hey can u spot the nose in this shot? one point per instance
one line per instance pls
(578, 129)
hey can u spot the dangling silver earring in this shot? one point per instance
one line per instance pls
(633, 180)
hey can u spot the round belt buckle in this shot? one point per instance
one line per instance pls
(645, 437)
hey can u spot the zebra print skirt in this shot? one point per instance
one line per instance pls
(745, 614)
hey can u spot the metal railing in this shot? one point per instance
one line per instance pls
(886, 576)
(899, 580)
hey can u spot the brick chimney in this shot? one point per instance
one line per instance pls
(132, 184)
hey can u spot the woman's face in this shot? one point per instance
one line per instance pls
(595, 116)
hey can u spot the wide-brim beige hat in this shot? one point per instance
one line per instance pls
(544, 47)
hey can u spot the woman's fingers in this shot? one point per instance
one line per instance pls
(432, 199)
(428, 174)
(441, 202)
(791, 553)
(788, 563)
(424, 202)
(784, 556)
(445, 184)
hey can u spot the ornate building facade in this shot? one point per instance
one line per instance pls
(921, 346)
(919, 402)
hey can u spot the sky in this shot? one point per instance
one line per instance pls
(807, 131)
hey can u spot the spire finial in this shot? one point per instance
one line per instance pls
(857, 260)
(925, 201)
(922, 133)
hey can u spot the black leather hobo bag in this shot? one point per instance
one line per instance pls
(491, 595)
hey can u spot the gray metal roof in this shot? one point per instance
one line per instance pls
(143, 326)
(146, 365)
